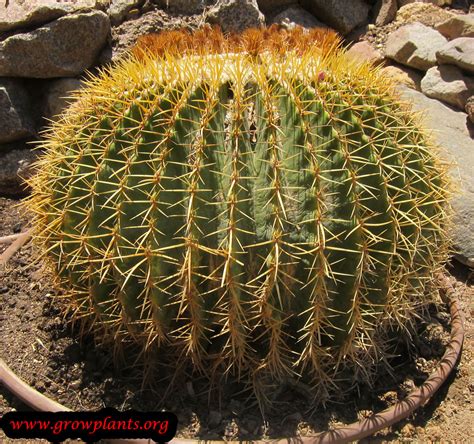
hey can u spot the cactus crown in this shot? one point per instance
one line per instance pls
(259, 205)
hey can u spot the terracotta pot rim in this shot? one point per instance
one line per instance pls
(351, 432)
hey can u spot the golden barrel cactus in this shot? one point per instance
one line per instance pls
(259, 205)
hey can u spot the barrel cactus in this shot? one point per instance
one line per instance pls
(260, 206)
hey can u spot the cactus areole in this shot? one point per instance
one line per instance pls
(259, 206)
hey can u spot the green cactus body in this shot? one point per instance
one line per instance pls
(262, 214)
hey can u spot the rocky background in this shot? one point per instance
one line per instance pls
(46, 47)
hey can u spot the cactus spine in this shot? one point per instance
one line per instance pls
(259, 205)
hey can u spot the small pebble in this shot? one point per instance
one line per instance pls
(408, 430)
(54, 366)
(17, 227)
(75, 384)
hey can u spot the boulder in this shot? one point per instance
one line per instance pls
(57, 96)
(403, 76)
(470, 108)
(16, 161)
(457, 26)
(365, 52)
(433, 2)
(16, 14)
(15, 119)
(297, 16)
(459, 52)
(119, 9)
(424, 13)
(450, 132)
(235, 15)
(187, 7)
(62, 48)
(414, 45)
(447, 83)
(342, 15)
(385, 11)
(125, 35)
(270, 6)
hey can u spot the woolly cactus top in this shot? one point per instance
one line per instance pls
(262, 203)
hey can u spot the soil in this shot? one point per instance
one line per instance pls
(40, 345)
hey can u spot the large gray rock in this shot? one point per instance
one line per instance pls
(269, 6)
(15, 14)
(342, 15)
(119, 9)
(414, 45)
(297, 16)
(62, 48)
(447, 83)
(385, 11)
(450, 132)
(457, 26)
(15, 120)
(57, 96)
(183, 6)
(433, 2)
(235, 15)
(459, 52)
(16, 161)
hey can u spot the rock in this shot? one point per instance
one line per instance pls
(119, 9)
(126, 34)
(297, 16)
(15, 14)
(414, 45)
(64, 47)
(385, 11)
(450, 132)
(183, 6)
(447, 83)
(403, 75)
(459, 52)
(235, 15)
(424, 13)
(457, 26)
(15, 119)
(342, 15)
(433, 2)
(270, 6)
(56, 96)
(16, 166)
(470, 108)
(365, 52)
